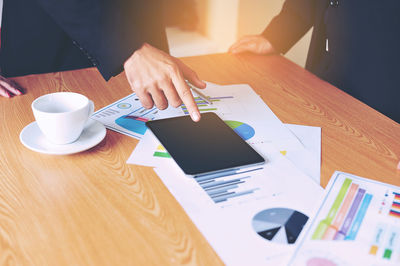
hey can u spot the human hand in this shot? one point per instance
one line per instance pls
(158, 78)
(8, 88)
(252, 43)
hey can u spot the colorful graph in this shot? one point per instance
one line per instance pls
(357, 217)
(205, 107)
(346, 214)
(245, 131)
(133, 123)
(126, 116)
(279, 225)
(377, 240)
(391, 244)
(161, 152)
(395, 208)
(386, 239)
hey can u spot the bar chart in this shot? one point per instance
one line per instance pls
(229, 185)
(345, 215)
(356, 222)
(161, 152)
(204, 106)
(395, 208)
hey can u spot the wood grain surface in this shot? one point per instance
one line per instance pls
(92, 208)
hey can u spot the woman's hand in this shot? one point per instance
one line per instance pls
(8, 88)
(252, 43)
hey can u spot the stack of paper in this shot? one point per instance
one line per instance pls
(252, 217)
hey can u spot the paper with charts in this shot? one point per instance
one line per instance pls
(246, 113)
(128, 116)
(233, 102)
(358, 223)
(249, 217)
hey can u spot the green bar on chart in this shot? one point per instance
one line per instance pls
(387, 254)
(207, 109)
(325, 223)
(161, 154)
(320, 230)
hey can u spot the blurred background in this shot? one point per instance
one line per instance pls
(211, 26)
(198, 27)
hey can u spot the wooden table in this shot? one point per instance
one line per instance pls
(93, 208)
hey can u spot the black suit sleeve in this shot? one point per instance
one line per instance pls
(105, 30)
(294, 20)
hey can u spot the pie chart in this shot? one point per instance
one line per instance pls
(279, 225)
(245, 131)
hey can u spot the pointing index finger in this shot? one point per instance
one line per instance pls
(186, 95)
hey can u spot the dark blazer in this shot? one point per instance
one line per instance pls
(363, 54)
(40, 36)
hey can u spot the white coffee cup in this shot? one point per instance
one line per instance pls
(61, 116)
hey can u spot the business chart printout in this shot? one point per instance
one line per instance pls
(252, 217)
(129, 117)
(358, 223)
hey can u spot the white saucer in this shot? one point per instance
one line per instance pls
(32, 138)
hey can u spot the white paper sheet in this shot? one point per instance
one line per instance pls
(279, 191)
(309, 136)
(308, 160)
(357, 223)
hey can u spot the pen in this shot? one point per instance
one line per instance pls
(201, 95)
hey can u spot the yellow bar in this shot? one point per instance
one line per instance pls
(160, 148)
(373, 250)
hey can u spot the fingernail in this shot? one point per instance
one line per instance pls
(398, 166)
(195, 116)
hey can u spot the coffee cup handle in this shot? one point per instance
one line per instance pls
(91, 108)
